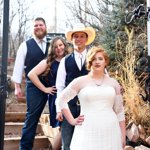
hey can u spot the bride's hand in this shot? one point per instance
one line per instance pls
(78, 120)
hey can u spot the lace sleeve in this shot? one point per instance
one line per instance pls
(118, 104)
(66, 95)
(118, 108)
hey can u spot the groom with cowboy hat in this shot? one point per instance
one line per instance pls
(71, 67)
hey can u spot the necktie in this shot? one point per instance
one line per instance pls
(80, 56)
(41, 42)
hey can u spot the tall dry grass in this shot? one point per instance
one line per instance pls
(136, 110)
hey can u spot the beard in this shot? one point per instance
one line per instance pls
(40, 34)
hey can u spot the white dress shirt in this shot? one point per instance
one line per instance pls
(61, 73)
(20, 59)
(80, 57)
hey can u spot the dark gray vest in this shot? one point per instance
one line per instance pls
(72, 72)
(34, 55)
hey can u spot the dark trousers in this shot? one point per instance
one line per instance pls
(36, 101)
(67, 129)
(52, 110)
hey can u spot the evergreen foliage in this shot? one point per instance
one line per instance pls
(114, 27)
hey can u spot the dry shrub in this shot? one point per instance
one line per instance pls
(136, 110)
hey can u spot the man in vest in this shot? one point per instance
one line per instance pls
(71, 67)
(29, 54)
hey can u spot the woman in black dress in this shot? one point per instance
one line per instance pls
(44, 77)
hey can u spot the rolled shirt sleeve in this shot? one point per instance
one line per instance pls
(19, 63)
(60, 80)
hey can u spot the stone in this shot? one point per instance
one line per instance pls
(148, 140)
(133, 133)
(141, 147)
(142, 132)
(128, 148)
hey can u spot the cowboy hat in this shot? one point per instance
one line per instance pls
(81, 28)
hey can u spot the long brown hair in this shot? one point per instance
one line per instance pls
(52, 56)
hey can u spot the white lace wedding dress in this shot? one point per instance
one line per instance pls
(102, 108)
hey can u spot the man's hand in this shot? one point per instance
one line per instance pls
(59, 116)
(18, 90)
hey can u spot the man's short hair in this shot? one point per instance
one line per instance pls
(41, 19)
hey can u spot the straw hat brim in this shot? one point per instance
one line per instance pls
(88, 30)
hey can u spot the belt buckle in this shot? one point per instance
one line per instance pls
(78, 103)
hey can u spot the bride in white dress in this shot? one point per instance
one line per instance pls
(101, 124)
